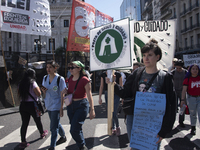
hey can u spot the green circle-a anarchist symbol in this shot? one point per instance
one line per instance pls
(109, 46)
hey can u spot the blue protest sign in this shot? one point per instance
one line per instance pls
(147, 121)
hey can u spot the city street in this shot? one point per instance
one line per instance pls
(95, 133)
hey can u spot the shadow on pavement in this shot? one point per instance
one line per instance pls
(101, 111)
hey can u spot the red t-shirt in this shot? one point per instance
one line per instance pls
(80, 89)
(193, 85)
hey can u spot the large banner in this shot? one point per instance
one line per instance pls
(110, 46)
(164, 31)
(27, 17)
(83, 18)
(191, 59)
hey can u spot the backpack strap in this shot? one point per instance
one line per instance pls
(58, 80)
(45, 78)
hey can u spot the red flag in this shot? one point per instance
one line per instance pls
(83, 18)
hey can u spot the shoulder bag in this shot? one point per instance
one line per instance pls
(40, 103)
(69, 97)
(128, 103)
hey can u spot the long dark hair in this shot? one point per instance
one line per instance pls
(188, 74)
(24, 85)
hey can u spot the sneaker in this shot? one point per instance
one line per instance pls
(84, 148)
(23, 145)
(193, 130)
(44, 134)
(114, 131)
(182, 125)
(51, 148)
(61, 140)
(118, 131)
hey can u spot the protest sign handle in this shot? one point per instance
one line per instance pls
(6, 69)
(110, 103)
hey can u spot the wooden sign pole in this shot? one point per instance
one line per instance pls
(110, 105)
(6, 70)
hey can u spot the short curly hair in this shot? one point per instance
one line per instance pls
(152, 45)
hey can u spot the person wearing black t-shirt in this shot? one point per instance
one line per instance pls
(103, 87)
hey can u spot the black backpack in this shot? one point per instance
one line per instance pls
(58, 80)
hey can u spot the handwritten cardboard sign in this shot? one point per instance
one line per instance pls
(147, 121)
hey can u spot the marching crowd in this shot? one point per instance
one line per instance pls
(181, 87)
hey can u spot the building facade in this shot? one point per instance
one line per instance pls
(186, 12)
(131, 9)
(60, 19)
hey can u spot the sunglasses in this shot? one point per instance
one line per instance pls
(72, 67)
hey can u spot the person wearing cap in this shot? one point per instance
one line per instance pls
(78, 110)
(173, 64)
(178, 75)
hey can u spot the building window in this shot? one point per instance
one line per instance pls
(197, 19)
(68, 0)
(185, 24)
(198, 40)
(192, 41)
(36, 45)
(64, 43)
(52, 23)
(185, 43)
(51, 43)
(184, 7)
(66, 23)
(10, 35)
(190, 3)
(191, 23)
(174, 12)
(10, 50)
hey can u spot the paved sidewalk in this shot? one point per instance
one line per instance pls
(11, 110)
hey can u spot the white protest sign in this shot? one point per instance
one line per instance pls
(191, 59)
(27, 17)
(1, 62)
(147, 121)
(110, 46)
(163, 31)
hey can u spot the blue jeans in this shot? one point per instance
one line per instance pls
(181, 117)
(129, 124)
(55, 126)
(77, 113)
(194, 108)
(115, 121)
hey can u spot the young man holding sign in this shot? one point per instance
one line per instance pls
(157, 100)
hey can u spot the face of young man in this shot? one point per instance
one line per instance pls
(179, 68)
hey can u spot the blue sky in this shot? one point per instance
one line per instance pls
(109, 7)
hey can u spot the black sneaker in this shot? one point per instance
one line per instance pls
(84, 148)
(182, 125)
(61, 140)
(193, 130)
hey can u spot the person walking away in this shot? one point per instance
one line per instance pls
(163, 83)
(191, 86)
(178, 75)
(78, 110)
(27, 105)
(53, 84)
(116, 129)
